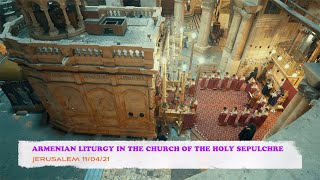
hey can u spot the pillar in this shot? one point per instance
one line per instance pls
(284, 115)
(69, 27)
(37, 30)
(298, 39)
(178, 15)
(232, 34)
(53, 31)
(299, 110)
(240, 42)
(315, 53)
(80, 17)
(205, 25)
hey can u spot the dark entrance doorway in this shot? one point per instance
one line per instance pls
(135, 3)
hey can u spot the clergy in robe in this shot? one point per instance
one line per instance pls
(273, 98)
(254, 117)
(225, 81)
(267, 88)
(232, 117)
(254, 88)
(222, 117)
(244, 116)
(264, 116)
(249, 85)
(211, 80)
(247, 133)
(216, 81)
(192, 88)
(261, 103)
(234, 82)
(194, 104)
(203, 82)
(253, 74)
(240, 83)
(254, 98)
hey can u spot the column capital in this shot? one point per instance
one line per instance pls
(308, 91)
(246, 15)
(179, 1)
(237, 10)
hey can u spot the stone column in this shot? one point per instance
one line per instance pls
(240, 42)
(37, 30)
(178, 15)
(284, 115)
(80, 17)
(297, 40)
(53, 31)
(299, 110)
(315, 53)
(232, 34)
(205, 25)
(69, 27)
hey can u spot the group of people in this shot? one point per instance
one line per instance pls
(215, 82)
(236, 118)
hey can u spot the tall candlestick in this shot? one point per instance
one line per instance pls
(183, 83)
(164, 83)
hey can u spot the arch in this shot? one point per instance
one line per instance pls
(56, 14)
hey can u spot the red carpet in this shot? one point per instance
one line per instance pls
(211, 104)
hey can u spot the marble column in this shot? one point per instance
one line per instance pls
(80, 17)
(37, 30)
(53, 31)
(232, 34)
(205, 25)
(315, 53)
(178, 15)
(284, 115)
(240, 42)
(69, 27)
(298, 39)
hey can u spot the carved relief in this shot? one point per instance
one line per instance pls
(103, 106)
(70, 99)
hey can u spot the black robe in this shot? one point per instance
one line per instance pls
(247, 133)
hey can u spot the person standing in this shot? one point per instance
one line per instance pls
(244, 116)
(234, 82)
(203, 82)
(240, 83)
(192, 87)
(273, 98)
(249, 85)
(247, 133)
(216, 81)
(253, 74)
(225, 81)
(263, 118)
(253, 99)
(222, 117)
(232, 117)
(253, 119)
(267, 88)
(259, 104)
(211, 81)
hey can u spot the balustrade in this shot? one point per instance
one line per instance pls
(87, 52)
(128, 53)
(49, 50)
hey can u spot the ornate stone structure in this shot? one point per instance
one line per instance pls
(91, 84)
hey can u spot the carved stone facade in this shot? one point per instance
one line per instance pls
(96, 87)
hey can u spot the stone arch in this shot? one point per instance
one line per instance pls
(56, 14)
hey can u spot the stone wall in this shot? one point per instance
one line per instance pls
(148, 3)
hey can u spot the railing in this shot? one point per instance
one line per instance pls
(295, 55)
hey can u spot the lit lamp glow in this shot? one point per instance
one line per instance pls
(286, 66)
(294, 75)
(273, 51)
(280, 58)
(201, 60)
(181, 30)
(194, 35)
